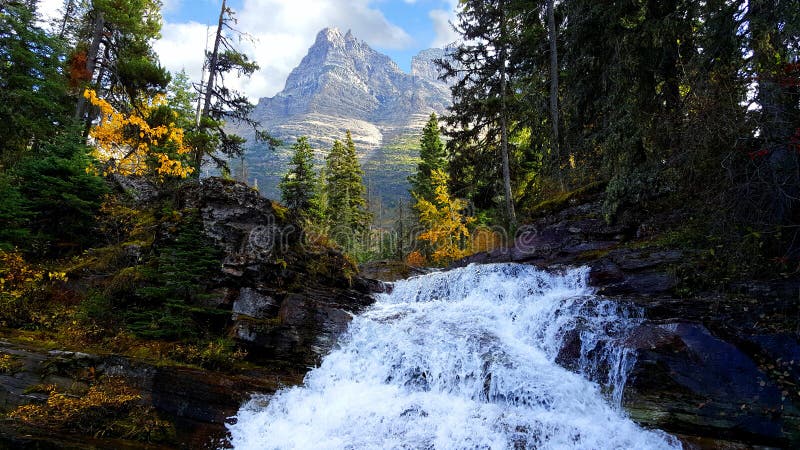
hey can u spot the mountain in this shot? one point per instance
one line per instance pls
(343, 84)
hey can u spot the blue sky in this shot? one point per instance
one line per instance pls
(284, 30)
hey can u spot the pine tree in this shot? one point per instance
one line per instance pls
(317, 212)
(62, 197)
(180, 96)
(432, 156)
(347, 207)
(113, 42)
(33, 98)
(14, 214)
(298, 184)
(480, 119)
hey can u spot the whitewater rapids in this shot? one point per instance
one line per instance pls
(465, 359)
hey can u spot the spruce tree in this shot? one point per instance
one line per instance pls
(432, 156)
(298, 184)
(33, 97)
(113, 54)
(347, 207)
(480, 119)
(62, 194)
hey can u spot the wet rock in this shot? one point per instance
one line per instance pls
(388, 271)
(605, 272)
(687, 380)
(633, 260)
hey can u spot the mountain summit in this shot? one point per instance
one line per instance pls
(342, 84)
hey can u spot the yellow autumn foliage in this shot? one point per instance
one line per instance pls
(415, 259)
(61, 408)
(445, 227)
(110, 408)
(16, 275)
(484, 239)
(130, 145)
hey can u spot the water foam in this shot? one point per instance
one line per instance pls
(464, 359)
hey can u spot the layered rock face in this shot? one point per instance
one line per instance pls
(343, 84)
(289, 298)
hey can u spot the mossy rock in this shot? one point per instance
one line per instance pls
(564, 200)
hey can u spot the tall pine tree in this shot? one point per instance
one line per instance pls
(347, 206)
(432, 156)
(33, 97)
(298, 184)
(211, 139)
(480, 119)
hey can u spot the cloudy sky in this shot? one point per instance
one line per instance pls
(283, 30)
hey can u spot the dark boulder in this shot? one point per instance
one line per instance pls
(687, 380)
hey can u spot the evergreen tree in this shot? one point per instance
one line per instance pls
(480, 120)
(317, 212)
(180, 97)
(113, 54)
(14, 214)
(347, 207)
(61, 195)
(174, 282)
(298, 184)
(33, 98)
(432, 157)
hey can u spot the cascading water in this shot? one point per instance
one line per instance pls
(464, 359)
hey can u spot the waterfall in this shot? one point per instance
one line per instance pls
(465, 359)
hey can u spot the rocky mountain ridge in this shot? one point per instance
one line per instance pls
(342, 83)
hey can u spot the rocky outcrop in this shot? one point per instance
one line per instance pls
(283, 299)
(289, 298)
(689, 380)
(198, 401)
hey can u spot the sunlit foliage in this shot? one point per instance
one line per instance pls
(146, 142)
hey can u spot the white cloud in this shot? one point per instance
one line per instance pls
(283, 32)
(441, 25)
(181, 47)
(170, 5)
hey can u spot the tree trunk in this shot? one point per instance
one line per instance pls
(553, 34)
(68, 6)
(212, 64)
(512, 216)
(91, 59)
